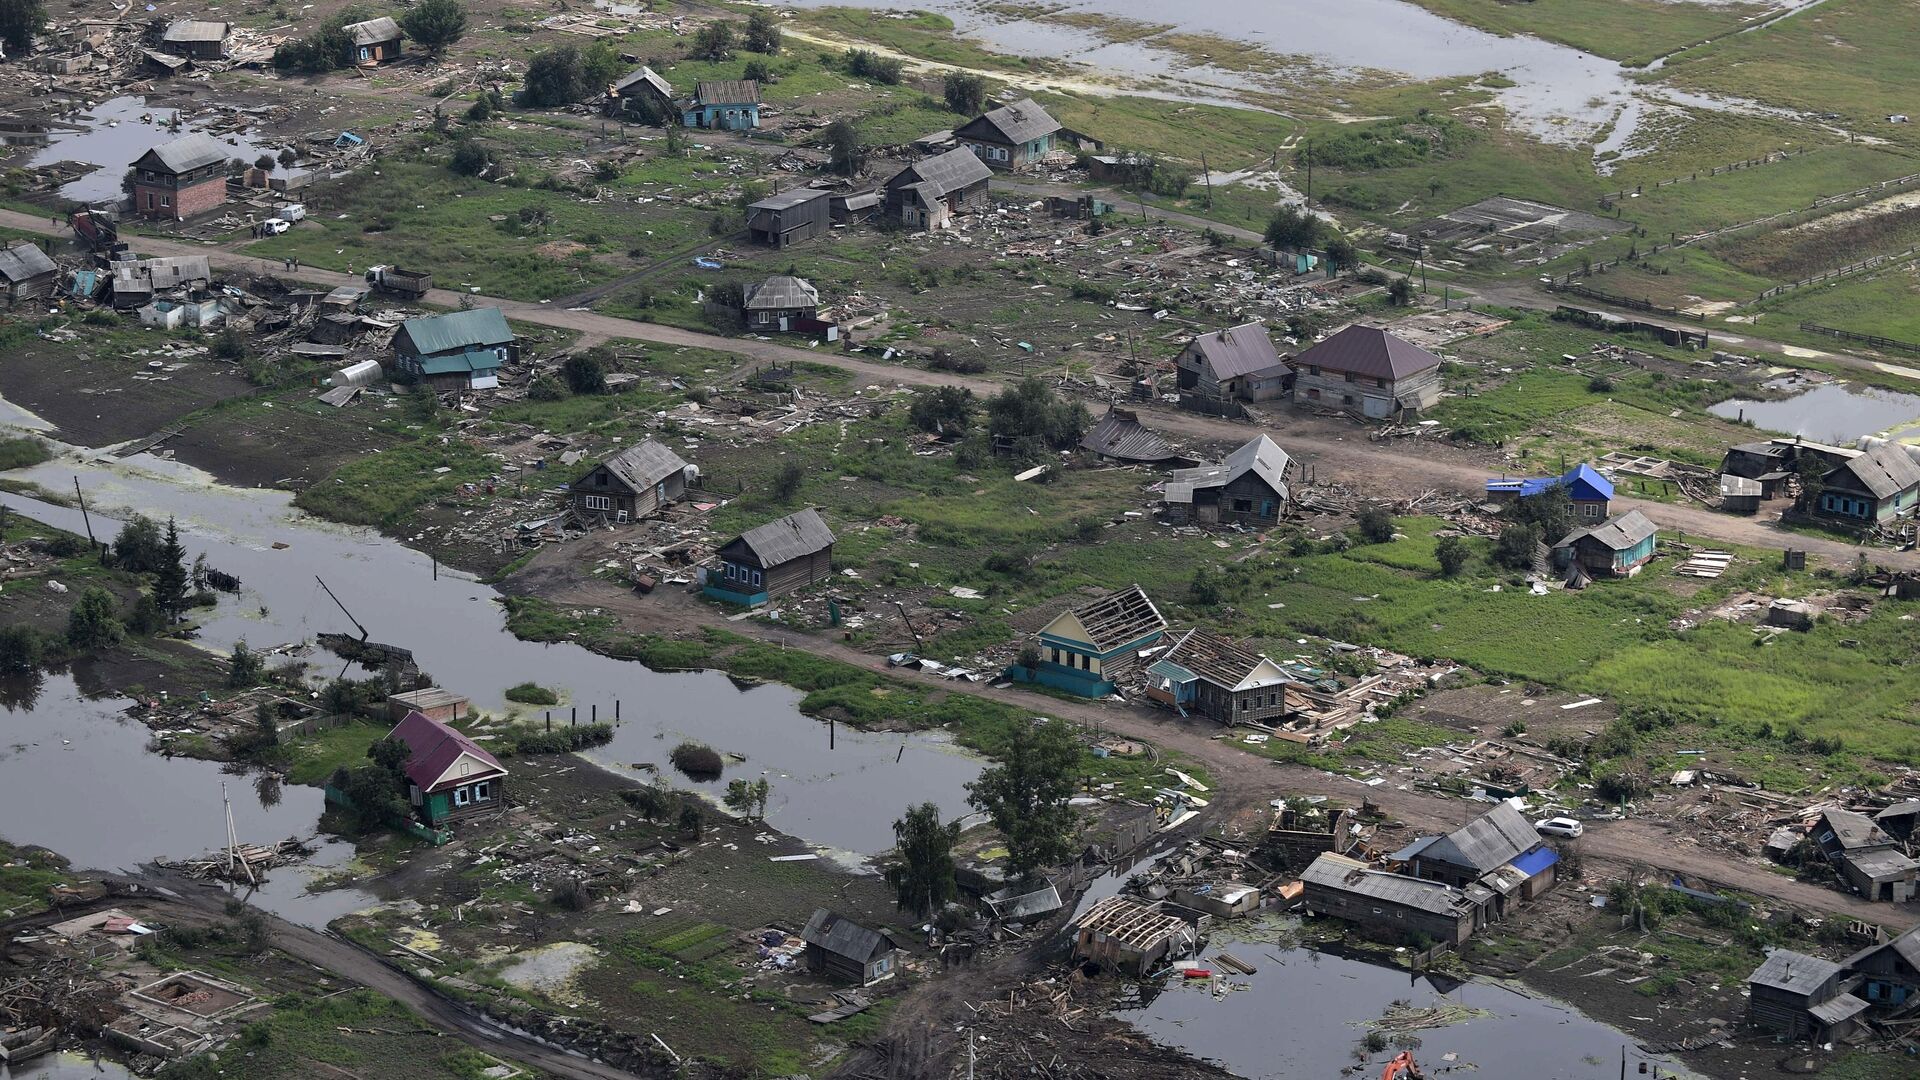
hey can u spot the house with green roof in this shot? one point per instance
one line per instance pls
(461, 350)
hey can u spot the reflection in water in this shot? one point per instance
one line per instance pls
(1830, 412)
(19, 691)
(266, 788)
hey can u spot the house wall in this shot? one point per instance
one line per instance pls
(1892, 890)
(1779, 1011)
(1075, 666)
(158, 196)
(1230, 707)
(793, 225)
(1890, 981)
(723, 117)
(463, 800)
(379, 52)
(1373, 398)
(1005, 155)
(771, 318)
(33, 288)
(735, 581)
(897, 204)
(1855, 505)
(598, 495)
(1382, 919)
(834, 966)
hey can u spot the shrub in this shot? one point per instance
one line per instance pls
(561, 740)
(696, 761)
(529, 693)
(1451, 553)
(787, 482)
(435, 24)
(471, 159)
(93, 623)
(965, 93)
(1516, 546)
(1376, 525)
(573, 894)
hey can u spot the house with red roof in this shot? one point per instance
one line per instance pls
(1368, 372)
(449, 776)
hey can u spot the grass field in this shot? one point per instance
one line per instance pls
(25, 878)
(1631, 31)
(1885, 304)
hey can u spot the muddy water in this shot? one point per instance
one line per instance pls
(114, 134)
(841, 791)
(1832, 412)
(1323, 998)
(66, 1066)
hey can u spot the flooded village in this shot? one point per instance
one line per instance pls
(735, 540)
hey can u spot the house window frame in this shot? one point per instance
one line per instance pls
(597, 502)
(462, 796)
(756, 578)
(482, 791)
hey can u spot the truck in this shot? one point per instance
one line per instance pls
(412, 284)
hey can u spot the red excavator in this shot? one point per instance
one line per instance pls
(1402, 1068)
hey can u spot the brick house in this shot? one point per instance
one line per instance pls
(1369, 372)
(181, 179)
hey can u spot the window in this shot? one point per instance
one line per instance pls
(1346, 399)
(1347, 376)
(597, 502)
(482, 792)
(1313, 369)
(1380, 383)
(461, 796)
(1243, 506)
(1086, 663)
(1056, 655)
(756, 577)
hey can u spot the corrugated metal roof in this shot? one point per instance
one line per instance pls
(842, 936)
(1487, 842)
(1617, 533)
(373, 31)
(1851, 831)
(648, 76)
(435, 747)
(788, 199)
(1885, 470)
(780, 293)
(1238, 351)
(727, 92)
(786, 539)
(1907, 945)
(1122, 436)
(641, 467)
(1732, 486)
(1007, 904)
(456, 330)
(1258, 455)
(194, 30)
(1884, 864)
(1021, 122)
(1339, 873)
(1119, 617)
(185, 154)
(1369, 352)
(1795, 973)
(23, 261)
(1838, 1008)
(945, 173)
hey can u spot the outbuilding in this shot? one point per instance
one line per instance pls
(181, 179)
(1890, 972)
(1085, 649)
(375, 41)
(1616, 548)
(1803, 996)
(1368, 372)
(1127, 935)
(630, 485)
(787, 218)
(433, 702)
(1120, 436)
(842, 949)
(197, 40)
(773, 559)
(460, 350)
(1390, 906)
(449, 776)
(26, 273)
(781, 302)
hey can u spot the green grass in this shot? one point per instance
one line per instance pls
(922, 35)
(530, 693)
(311, 759)
(382, 488)
(23, 452)
(1631, 31)
(26, 878)
(1885, 304)
(357, 1031)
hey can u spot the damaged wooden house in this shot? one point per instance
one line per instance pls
(1249, 488)
(772, 560)
(1204, 674)
(928, 193)
(1613, 549)
(1218, 370)
(841, 949)
(636, 483)
(460, 350)
(1121, 437)
(1127, 935)
(1086, 649)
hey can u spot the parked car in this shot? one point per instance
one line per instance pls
(274, 226)
(1560, 826)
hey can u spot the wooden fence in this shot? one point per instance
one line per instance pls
(1628, 302)
(1607, 201)
(1873, 263)
(1864, 339)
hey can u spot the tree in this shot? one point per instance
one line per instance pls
(1451, 553)
(946, 411)
(600, 64)
(1025, 797)
(787, 482)
(762, 34)
(435, 24)
(758, 71)
(471, 159)
(1550, 512)
(20, 22)
(557, 76)
(244, 669)
(1811, 470)
(966, 93)
(329, 47)
(1376, 525)
(139, 545)
(1208, 586)
(1033, 418)
(264, 162)
(691, 819)
(1341, 253)
(288, 157)
(713, 42)
(749, 797)
(1293, 228)
(170, 577)
(1400, 291)
(21, 648)
(843, 146)
(648, 801)
(1516, 546)
(93, 623)
(922, 871)
(480, 111)
(586, 371)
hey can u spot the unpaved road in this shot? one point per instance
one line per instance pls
(1337, 450)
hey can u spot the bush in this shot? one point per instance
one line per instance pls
(696, 761)
(586, 372)
(471, 159)
(866, 64)
(1376, 525)
(1451, 553)
(1516, 547)
(528, 693)
(19, 453)
(561, 740)
(546, 388)
(21, 649)
(573, 894)
(713, 42)
(1031, 418)
(93, 623)
(946, 411)
(965, 93)
(244, 670)
(787, 482)
(761, 35)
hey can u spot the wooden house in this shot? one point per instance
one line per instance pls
(375, 41)
(449, 776)
(1235, 364)
(1615, 548)
(1590, 493)
(841, 949)
(1368, 372)
(26, 273)
(641, 95)
(787, 218)
(1882, 484)
(773, 559)
(181, 179)
(1249, 488)
(1086, 649)
(1889, 972)
(927, 193)
(460, 350)
(780, 303)
(1481, 853)
(1012, 137)
(630, 485)
(196, 40)
(723, 104)
(1801, 996)
(1866, 856)
(1392, 907)
(1205, 673)
(1127, 935)
(1772, 462)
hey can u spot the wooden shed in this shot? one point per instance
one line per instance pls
(26, 273)
(842, 949)
(1616, 548)
(630, 485)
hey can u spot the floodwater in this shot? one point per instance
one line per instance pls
(1323, 997)
(67, 1066)
(840, 789)
(1831, 412)
(1561, 95)
(114, 134)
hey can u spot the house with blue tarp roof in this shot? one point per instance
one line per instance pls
(1590, 493)
(461, 350)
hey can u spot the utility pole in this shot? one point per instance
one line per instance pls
(83, 512)
(1207, 175)
(1309, 174)
(233, 840)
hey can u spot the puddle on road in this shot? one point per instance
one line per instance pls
(113, 135)
(1831, 412)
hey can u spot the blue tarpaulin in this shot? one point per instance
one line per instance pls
(1533, 862)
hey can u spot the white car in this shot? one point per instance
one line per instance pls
(1560, 826)
(274, 226)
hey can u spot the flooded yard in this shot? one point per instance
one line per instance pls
(1831, 412)
(113, 134)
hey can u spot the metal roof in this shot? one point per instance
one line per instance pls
(170, 272)
(194, 30)
(641, 467)
(1121, 435)
(781, 292)
(727, 92)
(648, 76)
(1883, 864)
(945, 173)
(185, 154)
(842, 936)
(1732, 486)
(1007, 904)
(1021, 122)
(1221, 662)
(786, 539)
(1852, 831)
(23, 260)
(1487, 842)
(788, 199)
(1119, 617)
(435, 747)
(1907, 945)
(1337, 872)
(1838, 1008)
(1238, 350)
(456, 330)
(1885, 470)
(1795, 973)
(373, 31)
(1259, 455)
(1617, 533)
(1370, 352)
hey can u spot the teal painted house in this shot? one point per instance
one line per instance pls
(1087, 649)
(725, 104)
(1880, 485)
(772, 559)
(449, 776)
(461, 350)
(1890, 972)
(1012, 137)
(1617, 548)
